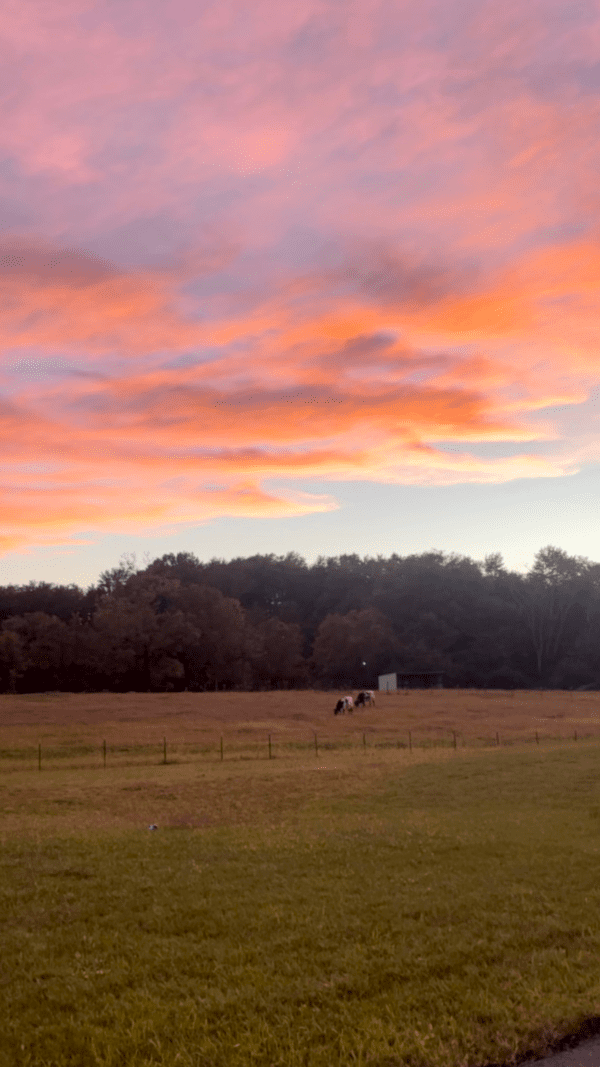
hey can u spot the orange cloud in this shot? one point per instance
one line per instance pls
(69, 299)
(327, 395)
(369, 224)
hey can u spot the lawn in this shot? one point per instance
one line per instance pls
(359, 905)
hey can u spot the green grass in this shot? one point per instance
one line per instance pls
(442, 912)
(84, 754)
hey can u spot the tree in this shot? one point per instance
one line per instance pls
(59, 600)
(184, 566)
(43, 640)
(552, 604)
(114, 581)
(140, 634)
(353, 649)
(493, 565)
(277, 658)
(219, 654)
(119, 643)
(12, 660)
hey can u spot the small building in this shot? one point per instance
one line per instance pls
(411, 680)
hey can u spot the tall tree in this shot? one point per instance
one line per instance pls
(552, 604)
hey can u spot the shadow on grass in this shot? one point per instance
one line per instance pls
(587, 1029)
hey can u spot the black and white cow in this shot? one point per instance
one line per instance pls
(343, 705)
(365, 697)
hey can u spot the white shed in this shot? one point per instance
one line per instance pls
(411, 680)
(388, 682)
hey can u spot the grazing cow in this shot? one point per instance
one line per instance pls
(343, 705)
(365, 697)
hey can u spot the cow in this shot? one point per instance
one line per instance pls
(344, 704)
(365, 697)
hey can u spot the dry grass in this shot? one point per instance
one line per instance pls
(193, 795)
(27, 718)
(75, 793)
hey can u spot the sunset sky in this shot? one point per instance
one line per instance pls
(299, 276)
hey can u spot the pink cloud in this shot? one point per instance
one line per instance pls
(378, 229)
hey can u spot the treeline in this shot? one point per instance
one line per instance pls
(274, 621)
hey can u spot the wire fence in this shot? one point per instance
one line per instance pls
(272, 746)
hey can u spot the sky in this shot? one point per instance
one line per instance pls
(318, 276)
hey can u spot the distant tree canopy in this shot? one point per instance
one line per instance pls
(266, 621)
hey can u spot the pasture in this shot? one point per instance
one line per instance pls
(358, 904)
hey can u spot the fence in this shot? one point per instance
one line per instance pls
(121, 754)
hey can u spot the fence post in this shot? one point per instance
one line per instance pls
(39, 757)
(497, 738)
(537, 740)
(454, 737)
(316, 749)
(269, 746)
(164, 750)
(575, 736)
(409, 741)
(221, 746)
(104, 751)
(364, 741)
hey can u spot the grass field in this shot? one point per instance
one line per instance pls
(360, 905)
